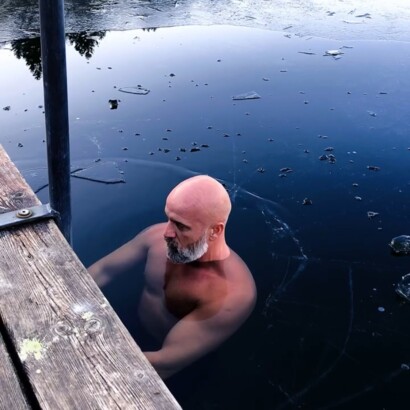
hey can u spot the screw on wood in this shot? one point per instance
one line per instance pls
(24, 213)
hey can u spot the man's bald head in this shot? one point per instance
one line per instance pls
(203, 197)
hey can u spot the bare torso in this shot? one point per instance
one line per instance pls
(173, 291)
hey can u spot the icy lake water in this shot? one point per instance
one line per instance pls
(328, 331)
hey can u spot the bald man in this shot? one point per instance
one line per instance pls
(197, 290)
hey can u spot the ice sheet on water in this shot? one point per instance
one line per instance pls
(107, 172)
(306, 18)
(37, 177)
(134, 90)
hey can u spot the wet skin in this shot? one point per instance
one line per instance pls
(190, 308)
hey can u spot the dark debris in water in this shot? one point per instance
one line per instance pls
(373, 168)
(7, 108)
(307, 201)
(113, 104)
(365, 15)
(329, 158)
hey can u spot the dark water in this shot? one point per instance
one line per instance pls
(328, 330)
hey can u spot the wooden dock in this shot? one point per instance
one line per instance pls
(61, 344)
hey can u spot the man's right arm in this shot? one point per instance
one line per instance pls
(122, 259)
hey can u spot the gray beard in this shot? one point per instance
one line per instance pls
(189, 254)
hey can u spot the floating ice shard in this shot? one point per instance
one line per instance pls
(251, 95)
(134, 90)
(403, 287)
(400, 245)
(352, 22)
(333, 53)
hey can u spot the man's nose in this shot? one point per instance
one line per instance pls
(169, 231)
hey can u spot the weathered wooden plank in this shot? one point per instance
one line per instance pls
(11, 395)
(76, 351)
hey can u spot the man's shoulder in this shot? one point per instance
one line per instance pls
(236, 266)
(241, 280)
(156, 228)
(148, 237)
(151, 232)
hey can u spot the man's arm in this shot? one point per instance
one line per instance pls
(193, 337)
(121, 259)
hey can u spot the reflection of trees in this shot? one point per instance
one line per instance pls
(30, 50)
(85, 43)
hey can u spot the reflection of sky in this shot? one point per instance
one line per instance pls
(306, 96)
(322, 270)
(192, 74)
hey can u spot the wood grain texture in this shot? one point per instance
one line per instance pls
(76, 351)
(11, 395)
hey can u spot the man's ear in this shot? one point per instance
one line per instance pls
(216, 230)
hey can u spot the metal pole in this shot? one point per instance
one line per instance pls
(56, 109)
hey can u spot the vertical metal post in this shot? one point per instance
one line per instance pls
(53, 58)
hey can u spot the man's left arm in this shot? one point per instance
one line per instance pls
(199, 333)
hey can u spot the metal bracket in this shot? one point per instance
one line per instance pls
(26, 215)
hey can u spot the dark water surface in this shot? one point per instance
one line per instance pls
(328, 330)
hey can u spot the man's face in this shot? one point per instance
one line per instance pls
(187, 254)
(186, 230)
